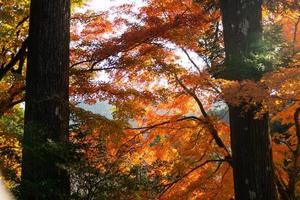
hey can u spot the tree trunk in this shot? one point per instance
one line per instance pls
(294, 171)
(251, 155)
(46, 110)
(250, 141)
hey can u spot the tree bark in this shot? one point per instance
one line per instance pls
(46, 110)
(251, 155)
(294, 171)
(250, 141)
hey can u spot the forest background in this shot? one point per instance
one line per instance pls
(156, 67)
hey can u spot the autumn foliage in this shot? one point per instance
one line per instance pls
(156, 67)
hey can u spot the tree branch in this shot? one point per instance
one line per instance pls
(192, 94)
(168, 186)
(191, 60)
(210, 126)
(167, 122)
(19, 56)
(295, 35)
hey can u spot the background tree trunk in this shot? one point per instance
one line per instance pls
(46, 110)
(250, 141)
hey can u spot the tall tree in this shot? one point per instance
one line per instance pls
(46, 110)
(250, 142)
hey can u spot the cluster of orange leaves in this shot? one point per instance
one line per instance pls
(140, 66)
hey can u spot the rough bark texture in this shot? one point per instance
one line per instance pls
(46, 110)
(251, 155)
(250, 143)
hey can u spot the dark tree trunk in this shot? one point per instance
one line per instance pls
(251, 155)
(294, 171)
(46, 110)
(250, 141)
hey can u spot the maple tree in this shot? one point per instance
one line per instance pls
(165, 67)
(169, 135)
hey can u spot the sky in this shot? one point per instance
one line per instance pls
(104, 108)
(102, 5)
